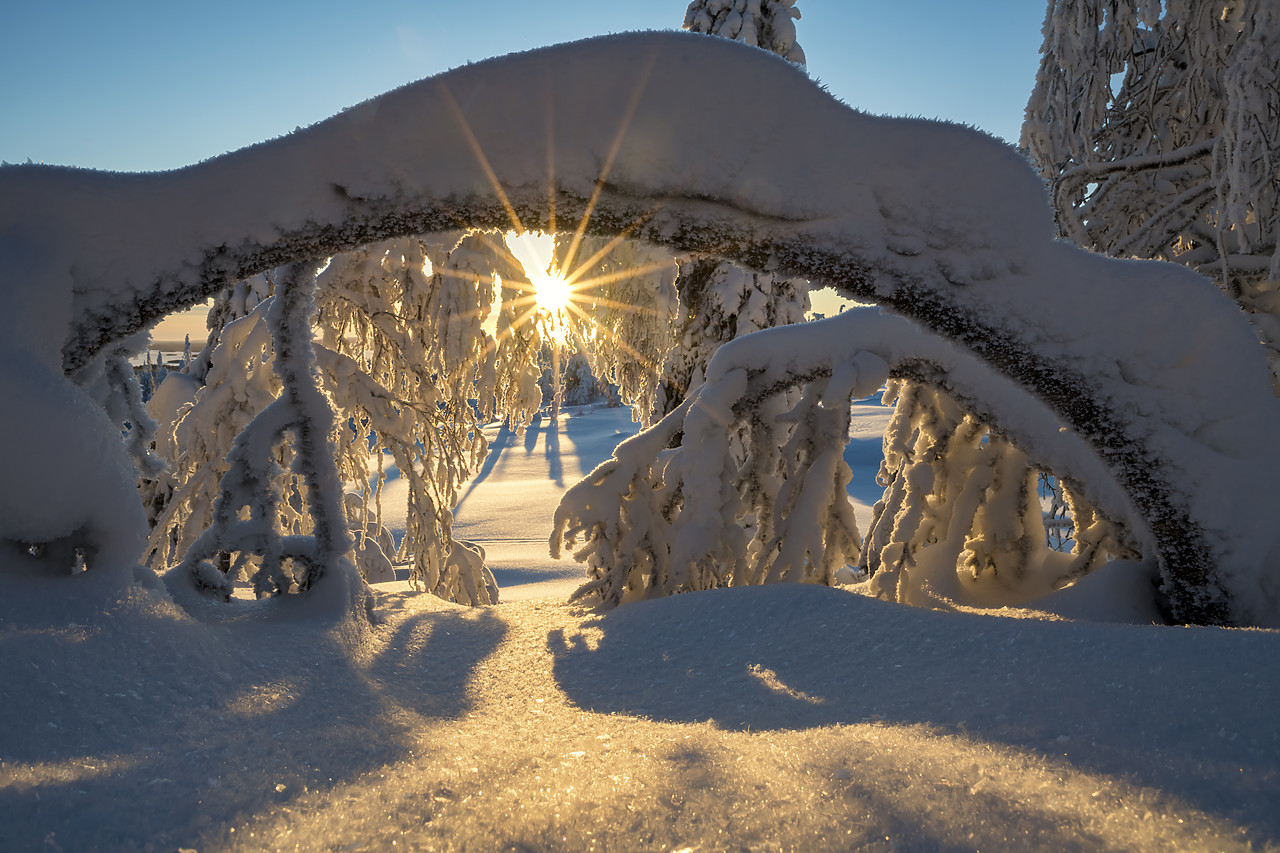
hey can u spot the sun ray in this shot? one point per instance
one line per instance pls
(617, 275)
(527, 317)
(577, 272)
(469, 313)
(498, 247)
(613, 303)
(619, 342)
(520, 301)
(613, 242)
(642, 82)
(551, 158)
(453, 272)
(491, 346)
(478, 151)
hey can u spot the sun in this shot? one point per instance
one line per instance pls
(552, 292)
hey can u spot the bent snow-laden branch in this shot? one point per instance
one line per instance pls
(755, 491)
(249, 487)
(1148, 363)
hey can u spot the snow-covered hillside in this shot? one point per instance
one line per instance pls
(772, 718)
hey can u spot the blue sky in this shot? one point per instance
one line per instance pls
(140, 86)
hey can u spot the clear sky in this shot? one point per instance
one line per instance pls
(143, 86)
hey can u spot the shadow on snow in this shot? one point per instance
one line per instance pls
(266, 709)
(794, 657)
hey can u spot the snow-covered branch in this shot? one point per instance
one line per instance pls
(252, 484)
(1091, 172)
(756, 490)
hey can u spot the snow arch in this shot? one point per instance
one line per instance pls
(1148, 363)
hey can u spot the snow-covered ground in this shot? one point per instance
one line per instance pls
(769, 718)
(508, 506)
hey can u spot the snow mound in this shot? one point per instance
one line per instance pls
(65, 472)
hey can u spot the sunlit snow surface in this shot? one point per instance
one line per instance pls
(770, 718)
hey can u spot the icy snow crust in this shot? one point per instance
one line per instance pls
(1159, 372)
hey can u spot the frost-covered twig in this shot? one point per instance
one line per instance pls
(406, 354)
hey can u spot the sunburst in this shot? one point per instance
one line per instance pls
(552, 292)
(567, 288)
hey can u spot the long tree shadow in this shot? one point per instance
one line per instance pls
(864, 456)
(797, 657)
(594, 441)
(507, 577)
(504, 439)
(551, 446)
(548, 429)
(256, 714)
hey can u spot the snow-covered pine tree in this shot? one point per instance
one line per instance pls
(1155, 124)
(768, 24)
(147, 378)
(580, 384)
(721, 301)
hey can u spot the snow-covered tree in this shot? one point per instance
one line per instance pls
(579, 382)
(718, 300)
(754, 493)
(295, 524)
(114, 385)
(409, 363)
(745, 483)
(961, 517)
(402, 355)
(1155, 124)
(198, 426)
(768, 24)
(147, 378)
(200, 411)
